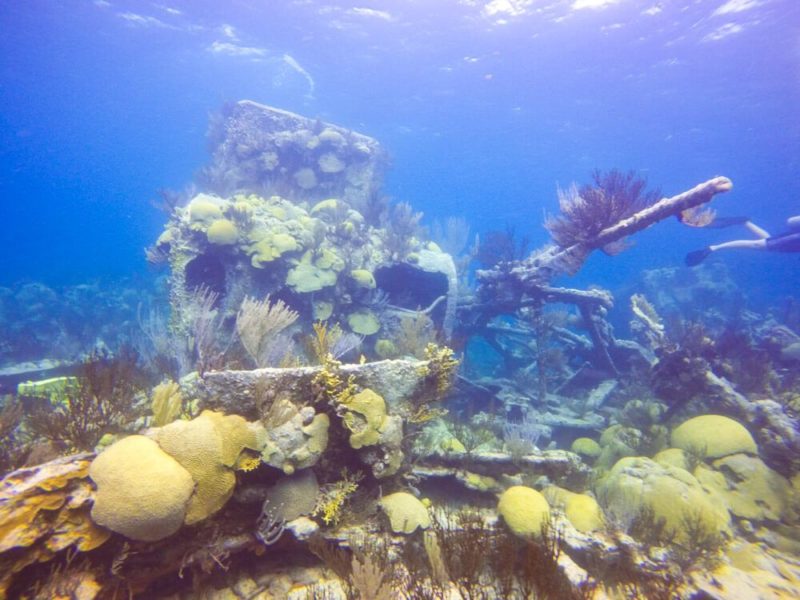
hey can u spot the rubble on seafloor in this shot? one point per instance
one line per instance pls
(51, 507)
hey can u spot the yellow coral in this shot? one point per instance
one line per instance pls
(222, 232)
(142, 492)
(328, 378)
(586, 447)
(406, 512)
(582, 510)
(167, 403)
(208, 447)
(248, 462)
(366, 413)
(441, 367)
(524, 510)
(714, 436)
(331, 502)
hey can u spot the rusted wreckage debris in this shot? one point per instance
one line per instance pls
(510, 286)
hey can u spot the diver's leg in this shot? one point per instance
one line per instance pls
(761, 233)
(741, 244)
(695, 258)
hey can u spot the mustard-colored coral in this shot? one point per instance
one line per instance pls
(364, 418)
(332, 501)
(222, 232)
(44, 510)
(142, 492)
(167, 403)
(248, 462)
(208, 448)
(440, 368)
(524, 510)
(406, 512)
(714, 436)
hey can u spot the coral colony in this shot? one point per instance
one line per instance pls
(306, 410)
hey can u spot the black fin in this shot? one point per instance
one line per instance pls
(696, 257)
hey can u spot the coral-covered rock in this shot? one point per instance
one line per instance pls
(297, 443)
(292, 496)
(44, 510)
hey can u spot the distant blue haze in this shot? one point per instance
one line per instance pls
(484, 106)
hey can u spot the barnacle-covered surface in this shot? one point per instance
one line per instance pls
(259, 147)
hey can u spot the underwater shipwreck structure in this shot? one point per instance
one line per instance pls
(298, 428)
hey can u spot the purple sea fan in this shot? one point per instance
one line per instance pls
(586, 211)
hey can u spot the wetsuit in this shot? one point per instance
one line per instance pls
(786, 242)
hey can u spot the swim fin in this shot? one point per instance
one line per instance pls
(696, 257)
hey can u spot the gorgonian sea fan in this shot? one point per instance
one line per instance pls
(586, 211)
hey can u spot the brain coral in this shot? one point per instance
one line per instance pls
(406, 512)
(207, 447)
(714, 435)
(673, 494)
(222, 232)
(293, 496)
(582, 510)
(204, 209)
(142, 492)
(524, 510)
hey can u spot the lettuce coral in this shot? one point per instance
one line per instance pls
(363, 322)
(306, 278)
(365, 416)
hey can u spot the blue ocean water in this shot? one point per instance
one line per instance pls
(485, 107)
